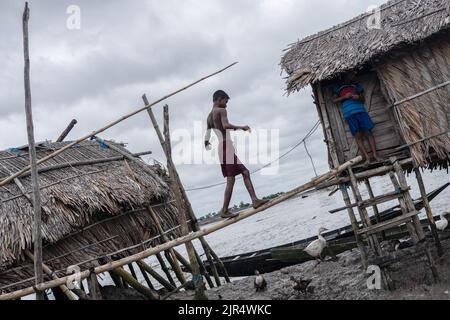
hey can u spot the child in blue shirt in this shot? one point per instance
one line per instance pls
(352, 98)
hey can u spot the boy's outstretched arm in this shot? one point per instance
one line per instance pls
(227, 125)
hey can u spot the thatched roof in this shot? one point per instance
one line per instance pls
(352, 44)
(86, 208)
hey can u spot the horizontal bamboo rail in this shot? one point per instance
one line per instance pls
(112, 124)
(189, 237)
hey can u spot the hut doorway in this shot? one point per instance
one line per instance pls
(386, 132)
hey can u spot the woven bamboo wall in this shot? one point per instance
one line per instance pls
(408, 72)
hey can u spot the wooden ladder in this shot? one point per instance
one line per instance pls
(372, 232)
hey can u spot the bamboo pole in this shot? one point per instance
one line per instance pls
(112, 124)
(204, 272)
(136, 285)
(146, 278)
(164, 267)
(429, 212)
(67, 130)
(373, 240)
(37, 228)
(189, 237)
(94, 287)
(155, 275)
(195, 264)
(374, 207)
(50, 273)
(132, 271)
(355, 225)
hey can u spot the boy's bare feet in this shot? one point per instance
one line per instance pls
(225, 214)
(259, 203)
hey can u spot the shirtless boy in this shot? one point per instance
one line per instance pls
(230, 164)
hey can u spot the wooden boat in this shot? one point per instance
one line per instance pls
(339, 240)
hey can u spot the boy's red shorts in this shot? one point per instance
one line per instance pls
(229, 162)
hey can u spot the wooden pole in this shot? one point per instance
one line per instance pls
(146, 278)
(374, 207)
(164, 266)
(94, 287)
(186, 238)
(132, 271)
(204, 272)
(373, 240)
(355, 225)
(430, 216)
(155, 275)
(195, 264)
(67, 130)
(37, 228)
(50, 273)
(112, 124)
(136, 285)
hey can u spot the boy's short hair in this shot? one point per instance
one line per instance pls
(220, 94)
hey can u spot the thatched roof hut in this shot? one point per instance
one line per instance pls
(92, 208)
(407, 55)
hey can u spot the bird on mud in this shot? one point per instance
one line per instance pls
(442, 224)
(315, 248)
(301, 285)
(260, 283)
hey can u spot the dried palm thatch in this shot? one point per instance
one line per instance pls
(352, 44)
(89, 210)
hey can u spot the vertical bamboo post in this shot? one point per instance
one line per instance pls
(430, 216)
(355, 226)
(197, 277)
(37, 231)
(363, 212)
(374, 207)
(409, 201)
(194, 221)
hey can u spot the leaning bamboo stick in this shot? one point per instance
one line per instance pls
(37, 228)
(155, 275)
(189, 237)
(135, 284)
(164, 268)
(67, 130)
(50, 273)
(112, 124)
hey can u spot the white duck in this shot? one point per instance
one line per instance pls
(442, 224)
(259, 283)
(315, 248)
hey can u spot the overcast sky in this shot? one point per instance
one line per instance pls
(126, 48)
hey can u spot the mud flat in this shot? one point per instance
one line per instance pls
(343, 279)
